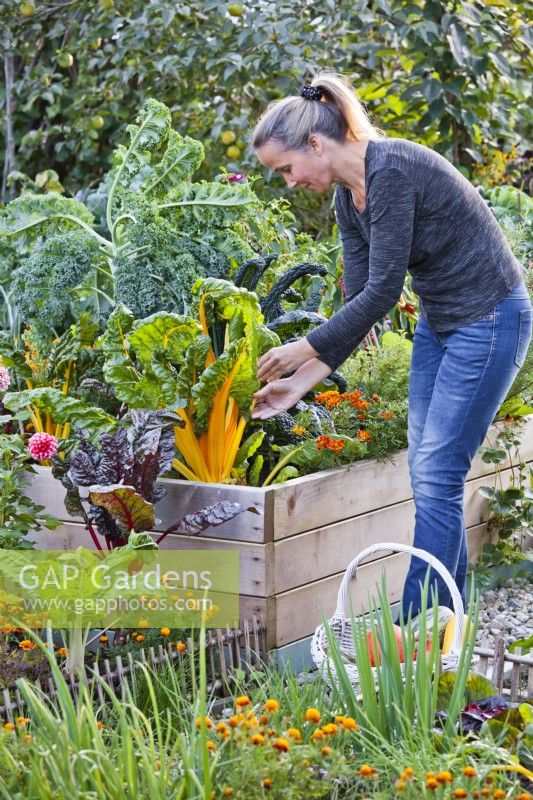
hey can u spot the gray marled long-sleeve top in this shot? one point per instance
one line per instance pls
(424, 216)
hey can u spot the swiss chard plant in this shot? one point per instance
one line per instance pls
(157, 233)
(204, 367)
(113, 485)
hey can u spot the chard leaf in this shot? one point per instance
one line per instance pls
(214, 378)
(210, 516)
(193, 365)
(167, 334)
(117, 458)
(137, 389)
(249, 446)
(128, 509)
(82, 470)
(62, 409)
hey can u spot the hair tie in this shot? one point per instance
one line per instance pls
(311, 92)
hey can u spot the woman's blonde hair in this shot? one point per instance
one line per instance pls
(339, 114)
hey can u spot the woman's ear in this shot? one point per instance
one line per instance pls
(316, 144)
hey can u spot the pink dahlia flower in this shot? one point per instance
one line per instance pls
(42, 446)
(5, 379)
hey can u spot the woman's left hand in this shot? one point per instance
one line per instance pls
(287, 358)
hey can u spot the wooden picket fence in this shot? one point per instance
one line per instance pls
(496, 663)
(226, 650)
(238, 648)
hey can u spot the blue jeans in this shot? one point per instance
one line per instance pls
(458, 380)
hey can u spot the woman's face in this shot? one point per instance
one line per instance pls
(306, 169)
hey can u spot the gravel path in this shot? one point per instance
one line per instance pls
(506, 611)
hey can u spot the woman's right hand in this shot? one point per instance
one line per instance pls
(276, 397)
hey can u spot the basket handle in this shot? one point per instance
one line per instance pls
(342, 599)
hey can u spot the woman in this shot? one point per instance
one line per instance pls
(402, 207)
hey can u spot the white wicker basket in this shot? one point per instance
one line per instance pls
(341, 623)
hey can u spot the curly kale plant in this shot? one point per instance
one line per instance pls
(161, 232)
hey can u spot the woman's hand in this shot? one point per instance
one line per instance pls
(276, 397)
(279, 396)
(287, 358)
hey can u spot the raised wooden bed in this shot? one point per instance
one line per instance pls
(294, 554)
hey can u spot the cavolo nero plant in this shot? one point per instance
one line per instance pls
(157, 232)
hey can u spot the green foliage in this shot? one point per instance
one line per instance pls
(62, 409)
(163, 230)
(383, 371)
(510, 509)
(43, 284)
(19, 515)
(453, 77)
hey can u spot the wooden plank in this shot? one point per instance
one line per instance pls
(306, 557)
(290, 508)
(299, 611)
(305, 503)
(253, 558)
(183, 497)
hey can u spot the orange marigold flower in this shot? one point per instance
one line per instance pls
(366, 771)
(242, 701)
(27, 737)
(281, 744)
(9, 726)
(386, 414)
(165, 631)
(375, 398)
(221, 727)
(26, 644)
(181, 647)
(317, 735)
(524, 796)
(432, 783)
(211, 746)
(400, 785)
(271, 732)
(271, 705)
(459, 792)
(498, 794)
(330, 728)
(208, 722)
(485, 793)
(408, 772)
(489, 778)
(104, 639)
(22, 721)
(139, 638)
(312, 715)
(227, 791)
(233, 721)
(266, 783)
(444, 777)
(100, 725)
(62, 652)
(258, 738)
(364, 435)
(349, 723)
(298, 430)
(469, 772)
(340, 719)
(263, 719)
(326, 751)
(294, 733)
(330, 399)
